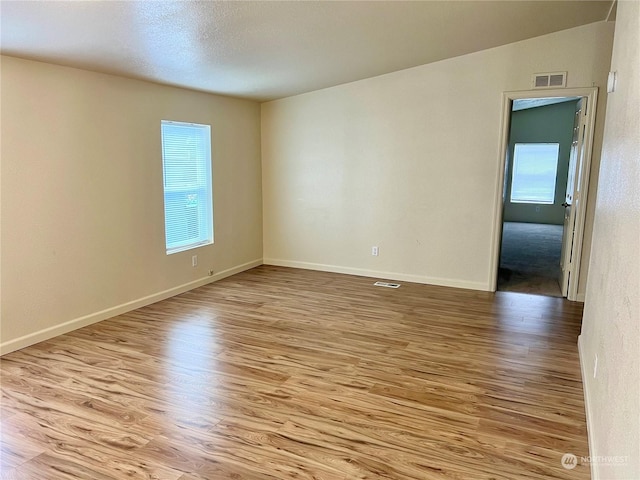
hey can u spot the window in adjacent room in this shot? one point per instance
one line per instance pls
(188, 204)
(535, 167)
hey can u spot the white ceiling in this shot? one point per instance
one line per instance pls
(526, 103)
(271, 49)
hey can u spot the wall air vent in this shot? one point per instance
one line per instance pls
(387, 284)
(550, 80)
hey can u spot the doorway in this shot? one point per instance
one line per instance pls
(545, 159)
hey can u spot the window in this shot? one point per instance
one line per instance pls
(535, 166)
(188, 205)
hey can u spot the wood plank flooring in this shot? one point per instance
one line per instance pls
(279, 373)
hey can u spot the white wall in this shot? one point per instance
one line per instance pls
(611, 323)
(407, 161)
(82, 199)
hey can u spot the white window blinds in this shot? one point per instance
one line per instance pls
(535, 166)
(188, 204)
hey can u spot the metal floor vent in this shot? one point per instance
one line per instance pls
(387, 284)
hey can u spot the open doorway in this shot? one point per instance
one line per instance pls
(546, 152)
(537, 173)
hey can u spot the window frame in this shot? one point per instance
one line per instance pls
(533, 201)
(205, 208)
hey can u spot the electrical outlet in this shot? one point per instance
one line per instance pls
(595, 366)
(194, 261)
(374, 251)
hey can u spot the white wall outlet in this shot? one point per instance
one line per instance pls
(194, 261)
(595, 366)
(374, 251)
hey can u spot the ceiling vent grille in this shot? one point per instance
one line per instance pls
(550, 80)
(387, 284)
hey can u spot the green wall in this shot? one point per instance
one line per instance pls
(549, 124)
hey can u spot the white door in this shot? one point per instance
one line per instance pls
(572, 196)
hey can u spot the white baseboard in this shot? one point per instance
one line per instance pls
(54, 331)
(402, 277)
(580, 297)
(589, 413)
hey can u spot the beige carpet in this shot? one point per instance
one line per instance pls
(530, 258)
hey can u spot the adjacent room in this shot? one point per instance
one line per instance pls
(322, 240)
(541, 160)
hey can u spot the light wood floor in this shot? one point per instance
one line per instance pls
(283, 373)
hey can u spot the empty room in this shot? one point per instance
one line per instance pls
(291, 240)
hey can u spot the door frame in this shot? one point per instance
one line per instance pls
(591, 95)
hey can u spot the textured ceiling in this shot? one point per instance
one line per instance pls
(267, 50)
